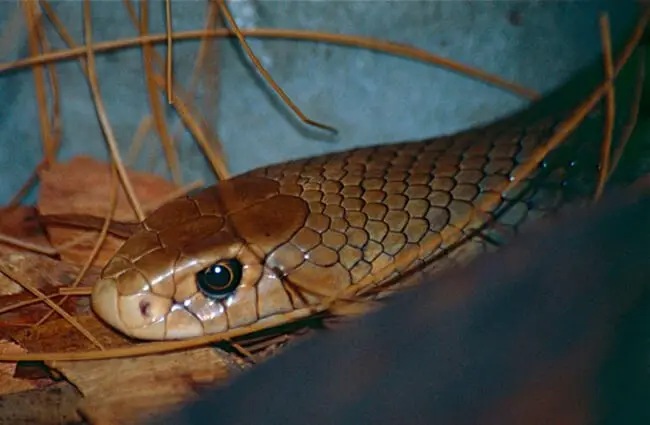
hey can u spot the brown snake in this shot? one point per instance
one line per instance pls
(284, 237)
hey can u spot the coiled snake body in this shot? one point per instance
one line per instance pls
(286, 236)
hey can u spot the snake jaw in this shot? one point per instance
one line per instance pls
(104, 300)
(141, 316)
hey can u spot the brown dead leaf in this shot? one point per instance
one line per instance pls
(8, 382)
(8, 287)
(61, 193)
(59, 335)
(47, 275)
(21, 223)
(127, 391)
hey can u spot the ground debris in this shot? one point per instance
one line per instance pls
(45, 274)
(111, 391)
(126, 391)
(61, 193)
(21, 223)
(54, 405)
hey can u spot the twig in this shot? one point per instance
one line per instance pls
(209, 75)
(156, 110)
(165, 346)
(185, 111)
(27, 245)
(563, 131)
(100, 240)
(627, 131)
(101, 114)
(55, 123)
(85, 291)
(32, 18)
(24, 304)
(10, 274)
(340, 39)
(611, 107)
(265, 73)
(169, 51)
(139, 139)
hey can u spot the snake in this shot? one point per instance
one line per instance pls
(501, 341)
(283, 237)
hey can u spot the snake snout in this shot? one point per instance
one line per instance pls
(104, 302)
(140, 315)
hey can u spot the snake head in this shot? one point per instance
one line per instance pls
(198, 266)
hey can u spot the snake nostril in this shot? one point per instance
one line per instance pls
(145, 308)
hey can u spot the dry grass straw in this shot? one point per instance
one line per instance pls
(157, 83)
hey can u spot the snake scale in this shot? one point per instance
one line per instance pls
(555, 339)
(286, 236)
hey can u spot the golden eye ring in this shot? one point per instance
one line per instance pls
(221, 279)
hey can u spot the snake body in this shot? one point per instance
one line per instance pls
(306, 229)
(498, 342)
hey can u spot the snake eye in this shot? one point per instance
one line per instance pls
(220, 279)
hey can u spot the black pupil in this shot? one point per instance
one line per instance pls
(220, 279)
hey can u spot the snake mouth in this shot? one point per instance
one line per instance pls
(144, 316)
(104, 300)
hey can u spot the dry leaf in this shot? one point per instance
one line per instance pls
(8, 383)
(61, 193)
(59, 335)
(21, 223)
(48, 276)
(126, 391)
